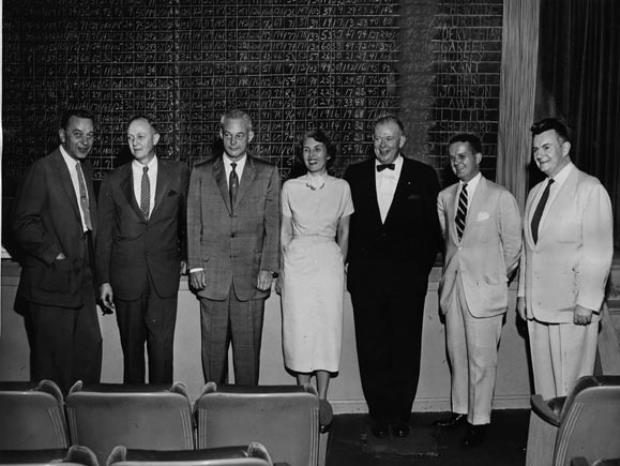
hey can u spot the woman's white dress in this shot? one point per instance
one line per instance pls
(313, 274)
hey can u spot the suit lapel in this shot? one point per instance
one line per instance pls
(62, 172)
(163, 182)
(373, 201)
(126, 185)
(92, 202)
(476, 203)
(401, 191)
(220, 178)
(249, 173)
(555, 208)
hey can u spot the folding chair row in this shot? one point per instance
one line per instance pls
(283, 418)
(254, 454)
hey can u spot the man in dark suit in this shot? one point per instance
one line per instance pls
(233, 223)
(394, 238)
(140, 250)
(54, 224)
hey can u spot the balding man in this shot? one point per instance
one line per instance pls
(140, 251)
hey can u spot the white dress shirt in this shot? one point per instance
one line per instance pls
(70, 161)
(137, 170)
(558, 181)
(386, 181)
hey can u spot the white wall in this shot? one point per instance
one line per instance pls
(512, 390)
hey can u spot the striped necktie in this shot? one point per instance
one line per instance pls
(461, 212)
(233, 185)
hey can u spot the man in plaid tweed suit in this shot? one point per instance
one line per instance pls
(233, 224)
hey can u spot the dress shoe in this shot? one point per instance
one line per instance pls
(400, 430)
(380, 430)
(452, 421)
(326, 416)
(474, 436)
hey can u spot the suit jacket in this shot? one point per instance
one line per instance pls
(571, 260)
(486, 255)
(47, 222)
(399, 253)
(130, 248)
(232, 249)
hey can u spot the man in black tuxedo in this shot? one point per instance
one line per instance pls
(55, 224)
(394, 238)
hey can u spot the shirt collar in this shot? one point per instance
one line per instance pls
(561, 176)
(398, 163)
(70, 161)
(471, 184)
(152, 165)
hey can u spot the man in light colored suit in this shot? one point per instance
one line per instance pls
(233, 224)
(140, 248)
(481, 227)
(568, 249)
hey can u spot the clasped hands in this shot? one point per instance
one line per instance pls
(581, 315)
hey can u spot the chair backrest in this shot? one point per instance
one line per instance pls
(32, 416)
(77, 455)
(254, 454)
(285, 419)
(138, 416)
(590, 421)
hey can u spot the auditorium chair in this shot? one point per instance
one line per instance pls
(32, 416)
(284, 418)
(585, 424)
(254, 454)
(76, 455)
(145, 417)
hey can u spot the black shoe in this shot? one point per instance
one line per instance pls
(451, 422)
(326, 416)
(380, 429)
(474, 436)
(400, 430)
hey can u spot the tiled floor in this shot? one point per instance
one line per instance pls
(352, 444)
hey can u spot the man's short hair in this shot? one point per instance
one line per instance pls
(236, 114)
(471, 139)
(146, 118)
(390, 119)
(547, 124)
(75, 112)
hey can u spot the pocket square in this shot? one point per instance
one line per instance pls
(482, 216)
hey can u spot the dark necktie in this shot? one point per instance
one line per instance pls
(233, 185)
(84, 206)
(461, 212)
(539, 210)
(383, 166)
(145, 193)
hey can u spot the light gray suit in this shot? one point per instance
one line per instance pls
(474, 290)
(568, 266)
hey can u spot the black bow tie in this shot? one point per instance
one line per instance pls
(383, 166)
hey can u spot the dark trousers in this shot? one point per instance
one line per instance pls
(388, 330)
(65, 343)
(239, 322)
(148, 320)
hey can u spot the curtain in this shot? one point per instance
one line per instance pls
(579, 80)
(517, 94)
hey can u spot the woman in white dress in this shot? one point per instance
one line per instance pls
(316, 208)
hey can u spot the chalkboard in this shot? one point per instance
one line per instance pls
(293, 65)
(467, 46)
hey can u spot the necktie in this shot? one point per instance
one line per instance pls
(461, 212)
(539, 210)
(233, 185)
(145, 193)
(383, 166)
(83, 196)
